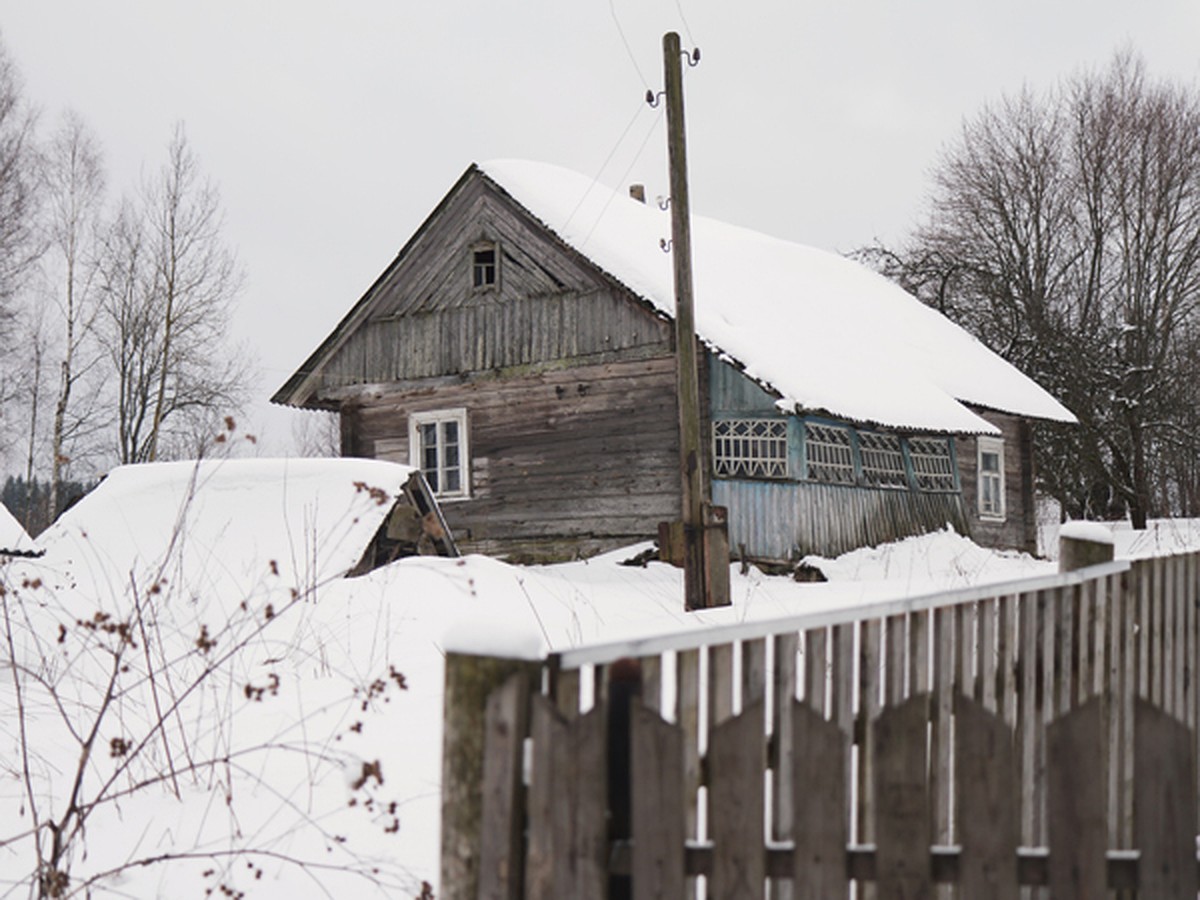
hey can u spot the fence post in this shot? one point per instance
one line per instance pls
(470, 680)
(1082, 544)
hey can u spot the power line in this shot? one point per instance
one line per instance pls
(621, 31)
(624, 175)
(604, 165)
(687, 28)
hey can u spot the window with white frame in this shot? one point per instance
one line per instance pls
(933, 466)
(750, 448)
(437, 442)
(991, 477)
(828, 453)
(485, 266)
(882, 460)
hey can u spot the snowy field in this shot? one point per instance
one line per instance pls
(201, 702)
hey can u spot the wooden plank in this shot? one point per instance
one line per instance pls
(720, 684)
(987, 654)
(651, 667)
(1157, 680)
(902, 828)
(568, 828)
(1007, 676)
(506, 722)
(918, 652)
(943, 706)
(895, 645)
(687, 715)
(819, 777)
(1165, 804)
(737, 757)
(754, 670)
(1076, 827)
(1027, 716)
(782, 793)
(566, 692)
(1127, 641)
(1085, 642)
(658, 807)
(986, 801)
(1066, 605)
(842, 697)
(869, 661)
(816, 669)
(1144, 576)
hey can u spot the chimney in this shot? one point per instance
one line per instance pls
(638, 192)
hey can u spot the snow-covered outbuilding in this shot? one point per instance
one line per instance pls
(519, 350)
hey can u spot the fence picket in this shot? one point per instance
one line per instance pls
(505, 725)
(736, 764)
(1077, 828)
(819, 777)
(902, 833)
(987, 804)
(1165, 801)
(659, 824)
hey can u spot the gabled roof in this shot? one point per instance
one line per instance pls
(823, 332)
(14, 540)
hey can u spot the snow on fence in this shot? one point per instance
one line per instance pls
(987, 737)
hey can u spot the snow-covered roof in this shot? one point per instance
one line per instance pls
(824, 332)
(228, 525)
(14, 540)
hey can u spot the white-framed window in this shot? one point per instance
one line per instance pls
(882, 460)
(991, 477)
(437, 445)
(750, 448)
(828, 453)
(485, 266)
(933, 466)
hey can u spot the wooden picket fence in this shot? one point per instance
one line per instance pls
(1036, 739)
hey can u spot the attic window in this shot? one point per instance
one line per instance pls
(829, 453)
(750, 448)
(882, 460)
(484, 267)
(933, 467)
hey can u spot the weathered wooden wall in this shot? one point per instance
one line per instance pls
(424, 318)
(787, 520)
(564, 462)
(1019, 528)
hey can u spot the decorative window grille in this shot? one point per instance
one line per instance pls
(829, 454)
(438, 447)
(483, 266)
(933, 467)
(750, 448)
(991, 478)
(882, 460)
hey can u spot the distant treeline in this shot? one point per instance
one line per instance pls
(29, 501)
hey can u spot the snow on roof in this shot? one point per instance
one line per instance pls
(823, 331)
(14, 538)
(226, 525)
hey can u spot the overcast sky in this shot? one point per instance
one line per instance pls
(333, 129)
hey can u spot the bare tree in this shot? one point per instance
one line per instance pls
(1065, 232)
(74, 178)
(169, 283)
(19, 244)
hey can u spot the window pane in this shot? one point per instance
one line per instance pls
(750, 448)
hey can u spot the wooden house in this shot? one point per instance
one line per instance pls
(519, 350)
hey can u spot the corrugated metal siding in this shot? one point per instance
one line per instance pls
(733, 393)
(787, 520)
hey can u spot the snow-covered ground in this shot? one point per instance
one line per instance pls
(262, 724)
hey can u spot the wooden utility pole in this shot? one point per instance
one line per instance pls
(705, 544)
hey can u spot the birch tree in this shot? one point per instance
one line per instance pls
(74, 177)
(169, 285)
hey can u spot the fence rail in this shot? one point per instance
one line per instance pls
(801, 723)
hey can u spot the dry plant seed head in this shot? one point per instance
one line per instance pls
(205, 642)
